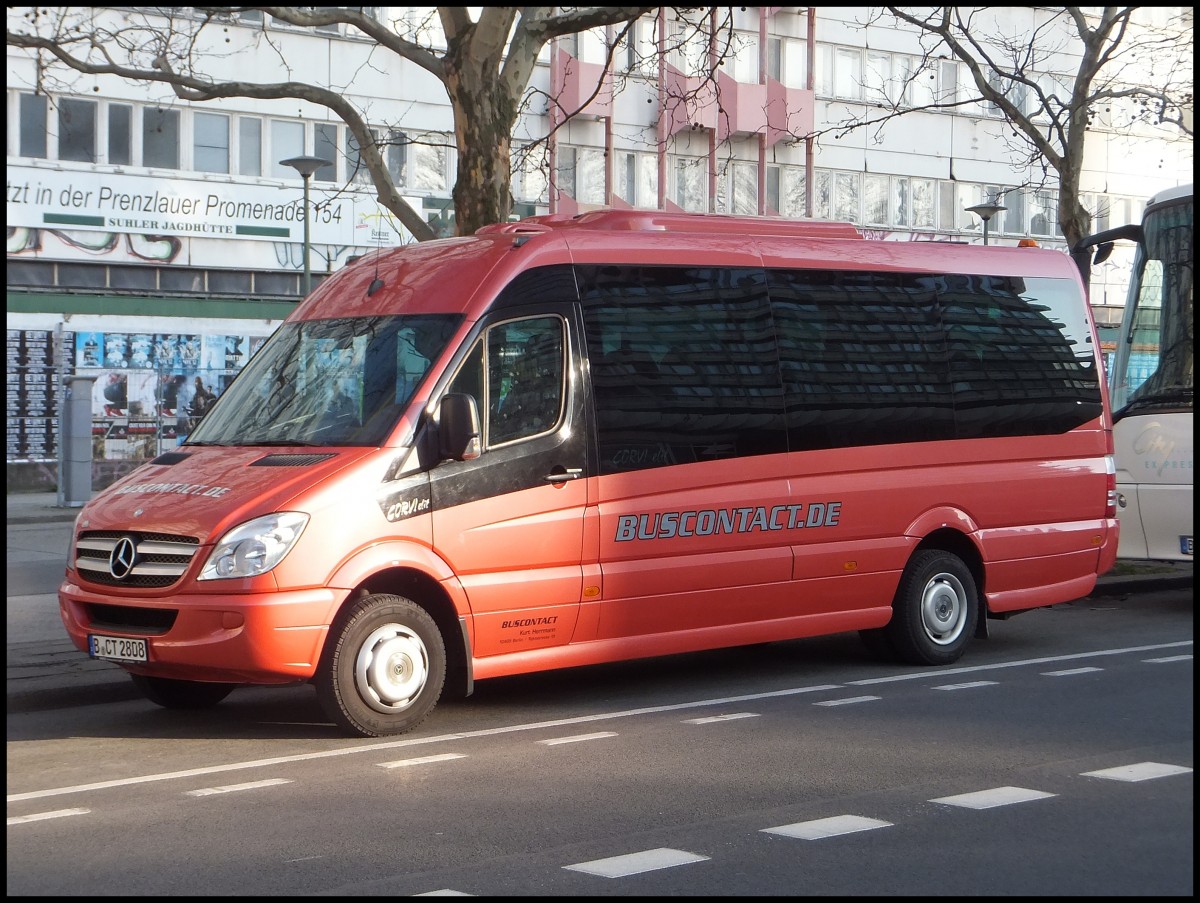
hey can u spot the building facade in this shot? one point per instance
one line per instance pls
(153, 243)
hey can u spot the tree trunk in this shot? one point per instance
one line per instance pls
(484, 116)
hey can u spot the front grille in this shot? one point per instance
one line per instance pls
(150, 621)
(159, 559)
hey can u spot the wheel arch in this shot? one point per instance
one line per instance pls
(430, 584)
(964, 546)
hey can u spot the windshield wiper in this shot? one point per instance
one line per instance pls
(1170, 397)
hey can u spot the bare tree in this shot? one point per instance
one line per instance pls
(1124, 74)
(485, 67)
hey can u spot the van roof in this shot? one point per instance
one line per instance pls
(456, 275)
(664, 221)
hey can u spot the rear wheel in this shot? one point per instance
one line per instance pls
(384, 668)
(935, 610)
(181, 694)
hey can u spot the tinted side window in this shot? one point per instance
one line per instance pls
(683, 365)
(1021, 358)
(863, 358)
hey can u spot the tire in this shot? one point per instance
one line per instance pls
(384, 667)
(935, 610)
(181, 694)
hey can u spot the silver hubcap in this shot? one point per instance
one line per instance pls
(944, 609)
(391, 669)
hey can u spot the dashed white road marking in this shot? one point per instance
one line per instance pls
(851, 701)
(444, 892)
(828, 827)
(636, 863)
(997, 796)
(578, 738)
(1070, 672)
(1168, 658)
(733, 716)
(970, 685)
(236, 788)
(1142, 771)
(423, 760)
(42, 816)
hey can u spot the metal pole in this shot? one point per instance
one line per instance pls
(308, 270)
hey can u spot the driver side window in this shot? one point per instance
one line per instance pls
(525, 378)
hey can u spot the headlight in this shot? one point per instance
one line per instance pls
(255, 547)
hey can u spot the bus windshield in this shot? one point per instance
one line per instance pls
(341, 381)
(1155, 366)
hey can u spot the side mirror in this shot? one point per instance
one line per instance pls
(458, 428)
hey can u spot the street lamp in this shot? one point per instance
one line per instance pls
(306, 166)
(985, 212)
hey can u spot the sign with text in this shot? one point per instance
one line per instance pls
(114, 202)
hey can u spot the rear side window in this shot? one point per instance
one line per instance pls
(683, 365)
(1020, 356)
(881, 358)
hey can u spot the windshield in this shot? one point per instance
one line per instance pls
(1155, 366)
(342, 381)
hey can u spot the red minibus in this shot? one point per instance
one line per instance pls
(574, 440)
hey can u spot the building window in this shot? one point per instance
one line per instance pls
(823, 194)
(428, 163)
(287, 141)
(565, 176)
(637, 179)
(875, 200)
(1014, 216)
(160, 138)
(33, 125)
(250, 146)
(77, 130)
(120, 134)
(690, 175)
(743, 184)
(325, 146)
(847, 188)
(847, 73)
(529, 180)
(397, 156)
(210, 142)
(740, 57)
(356, 167)
(924, 203)
(900, 206)
(785, 191)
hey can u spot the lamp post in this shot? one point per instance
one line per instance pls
(985, 212)
(306, 166)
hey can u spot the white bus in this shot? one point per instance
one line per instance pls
(1150, 382)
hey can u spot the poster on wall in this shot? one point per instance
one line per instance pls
(33, 377)
(144, 394)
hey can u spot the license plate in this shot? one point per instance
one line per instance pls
(117, 648)
(1185, 545)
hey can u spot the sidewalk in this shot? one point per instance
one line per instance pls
(38, 508)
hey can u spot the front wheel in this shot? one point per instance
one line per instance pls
(384, 668)
(935, 610)
(181, 694)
